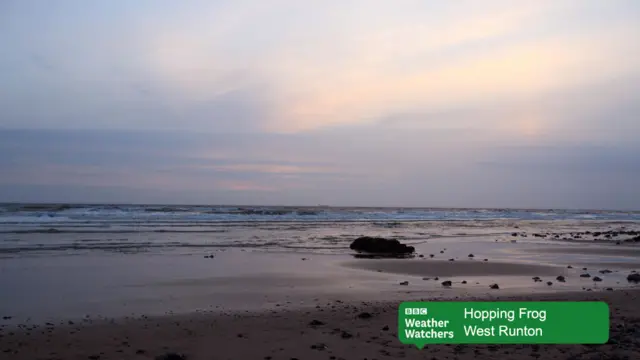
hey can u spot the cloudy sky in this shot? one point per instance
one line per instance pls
(369, 103)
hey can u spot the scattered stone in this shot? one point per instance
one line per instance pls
(585, 275)
(584, 268)
(431, 255)
(514, 234)
(426, 278)
(470, 255)
(494, 286)
(346, 335)
(446, 283)
(6, 318)
(209, 256)
(609, 289)
(536, 279)
(316, 323)
(319, 346)
(303, 259)
(404, 283)
(605, 271)
(569, 267)
(435, 278)
(549, 283)
(595, 278)
(485, 260)
(364, 315)
(464, 281)
(385, 328)
(561, 278)
(381, 246)
(421, 255)
(441, 251)
(451, 260)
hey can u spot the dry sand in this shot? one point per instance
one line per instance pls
(288, 334)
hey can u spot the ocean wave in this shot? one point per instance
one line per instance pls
(16, 214)
(114, 246)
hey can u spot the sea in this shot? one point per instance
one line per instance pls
(49, 229)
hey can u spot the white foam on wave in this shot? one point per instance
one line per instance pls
(31, 219)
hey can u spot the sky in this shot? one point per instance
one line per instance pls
(525, 104)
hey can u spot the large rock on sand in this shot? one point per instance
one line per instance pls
(377, 245)
(635, 277)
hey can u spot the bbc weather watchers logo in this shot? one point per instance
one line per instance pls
(415, 311)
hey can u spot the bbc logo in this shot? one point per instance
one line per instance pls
(415, 311)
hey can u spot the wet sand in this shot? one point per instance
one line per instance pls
(332, 330)
(447, 268)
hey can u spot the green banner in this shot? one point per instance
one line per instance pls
(539, 322)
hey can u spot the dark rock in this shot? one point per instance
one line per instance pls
(470, 255)
(560, 278)
(536, 279)
(421, 255)
(316, 323)
(569, 267)
(549, 283)
(346, 335)
(6, 318)
(609, 289)
(435, 278)
(94, 357)
(441, 251)
(140, 352)
(446, 283)
(595, 278)
(514, 234)
(464, 281)
(381, 246)
(584, 268)
(364, 315)
(452, 260)
(404, 283)
(431, 255)
(585, 275)
(605, 271)
(171, 356)
(635, 277)
(319, 346)
(426, 278)
(494, 286)
(385, 328)
(485, 260)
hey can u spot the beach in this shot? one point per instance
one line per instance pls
(141, 286)
(334, 330)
